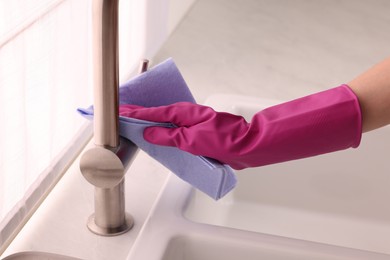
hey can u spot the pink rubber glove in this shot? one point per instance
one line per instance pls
(316, 124)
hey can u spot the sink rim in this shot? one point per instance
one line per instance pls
(166, 220)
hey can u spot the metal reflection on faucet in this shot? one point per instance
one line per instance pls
(105, 72)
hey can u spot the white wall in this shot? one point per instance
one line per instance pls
(145, 26)
(177, 10)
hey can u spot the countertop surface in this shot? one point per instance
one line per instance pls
(277, 49)
(59, 224)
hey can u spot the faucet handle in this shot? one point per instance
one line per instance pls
(102, 167)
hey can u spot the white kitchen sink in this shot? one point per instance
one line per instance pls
(328, 207)
(339, 198)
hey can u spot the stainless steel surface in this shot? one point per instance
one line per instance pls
(105, 72)
(110, 218)
(102, 168)
(105, 165)
(38, 256)
(106, 168)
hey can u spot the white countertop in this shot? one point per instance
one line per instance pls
(279, 49)
(59, 225)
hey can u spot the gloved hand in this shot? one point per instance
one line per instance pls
(316, 124)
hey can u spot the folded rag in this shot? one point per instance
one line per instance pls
(164, 85)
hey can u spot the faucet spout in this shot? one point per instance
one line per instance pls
(105, 72)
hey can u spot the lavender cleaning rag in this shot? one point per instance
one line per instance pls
(159, 86)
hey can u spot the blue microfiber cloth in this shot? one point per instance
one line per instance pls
(164, 85)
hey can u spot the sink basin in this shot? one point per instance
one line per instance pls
(38, 256)
(339, 198)
(168, 235)
(328, 207)
(210, 248)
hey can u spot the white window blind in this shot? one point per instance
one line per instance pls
(44, 77)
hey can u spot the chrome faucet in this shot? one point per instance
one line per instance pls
(105, 165)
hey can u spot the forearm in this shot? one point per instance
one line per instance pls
(373, 91)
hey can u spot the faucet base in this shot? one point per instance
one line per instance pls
(110, 231)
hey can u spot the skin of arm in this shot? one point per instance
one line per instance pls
(373, 91)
